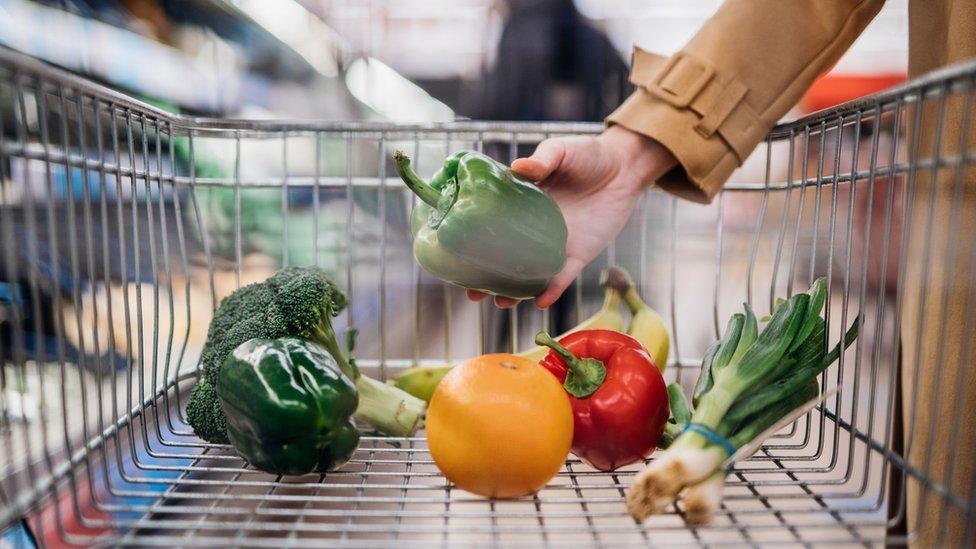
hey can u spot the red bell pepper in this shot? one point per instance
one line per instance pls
(620, 403)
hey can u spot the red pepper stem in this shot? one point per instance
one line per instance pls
(585, 375)
(543, 338)
(421, 188)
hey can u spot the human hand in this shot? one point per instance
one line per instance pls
(596, 181)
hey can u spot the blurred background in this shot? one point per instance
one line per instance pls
(397, 60)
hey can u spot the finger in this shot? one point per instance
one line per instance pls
(505, 302)
(559, 283)
(546, 158)
(476, 296)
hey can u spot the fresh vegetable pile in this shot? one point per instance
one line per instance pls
(297, 302)
(750, 380)
(277, 385)
(500, 425)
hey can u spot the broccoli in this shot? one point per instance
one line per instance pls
(203, 412)
(294, 302)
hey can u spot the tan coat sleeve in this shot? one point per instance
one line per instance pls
(716, 99)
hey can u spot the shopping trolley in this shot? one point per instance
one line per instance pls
(121, 227)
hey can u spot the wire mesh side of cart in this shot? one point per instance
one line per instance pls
(121, 227)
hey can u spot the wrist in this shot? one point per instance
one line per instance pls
(645, 158)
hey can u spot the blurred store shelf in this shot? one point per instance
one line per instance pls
(232, 58)
(125, 58)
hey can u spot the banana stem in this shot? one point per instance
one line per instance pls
(623, 285)
(633, 300)
(611, 299)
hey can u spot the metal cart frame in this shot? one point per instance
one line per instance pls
(102, 222)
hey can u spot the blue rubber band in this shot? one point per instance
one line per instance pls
(710, 436)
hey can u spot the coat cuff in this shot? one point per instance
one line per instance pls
(698, 115)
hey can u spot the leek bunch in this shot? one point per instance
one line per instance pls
(749, 381)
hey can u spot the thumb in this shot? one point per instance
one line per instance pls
(546, 158)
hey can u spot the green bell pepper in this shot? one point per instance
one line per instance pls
(479, 226)
(289, 406)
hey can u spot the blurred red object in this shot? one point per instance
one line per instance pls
(834, 89)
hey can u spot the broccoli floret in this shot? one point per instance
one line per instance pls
(305, 303)
(295, 302)
(240, 316)
(203, 412)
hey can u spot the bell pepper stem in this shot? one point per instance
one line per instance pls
(421, 188)
(584, 376)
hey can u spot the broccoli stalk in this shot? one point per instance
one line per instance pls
(323, 334)
(295, 302)
(391, 410)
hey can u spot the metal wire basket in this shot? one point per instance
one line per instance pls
(121, 227)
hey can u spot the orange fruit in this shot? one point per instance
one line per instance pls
(499, 426)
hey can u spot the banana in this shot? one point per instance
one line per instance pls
(420, 381)
(646, 325)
